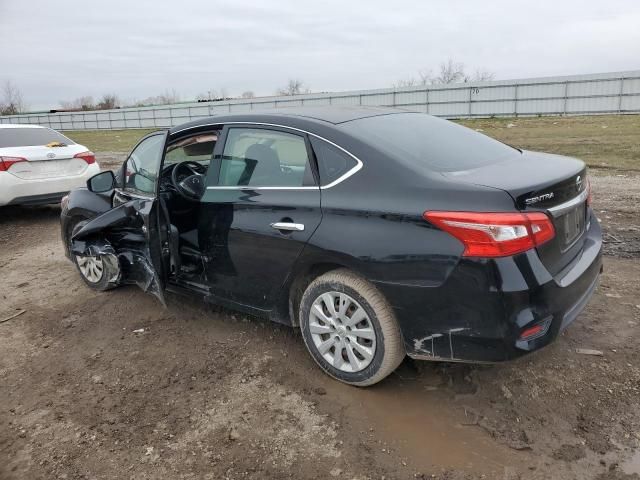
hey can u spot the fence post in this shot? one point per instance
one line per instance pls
(621, 94)
(566, 92)
(515, 101)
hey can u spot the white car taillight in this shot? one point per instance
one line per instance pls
(6, 162)
(88, 157)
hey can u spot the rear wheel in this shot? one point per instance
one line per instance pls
(101, 272)
(350, 329)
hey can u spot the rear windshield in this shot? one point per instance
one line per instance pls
(26, 137)
(426, 141)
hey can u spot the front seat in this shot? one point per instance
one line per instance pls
(266, 169)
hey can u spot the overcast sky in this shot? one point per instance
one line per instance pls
(63, 49)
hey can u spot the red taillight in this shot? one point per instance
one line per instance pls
(88, 157)
(6, 162)
(494, 234)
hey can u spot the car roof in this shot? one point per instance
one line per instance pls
(17, 125)
(332, 115)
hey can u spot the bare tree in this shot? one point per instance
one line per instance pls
(11, 102)
(166, 98)
(248, 94)
(108, 101)
(450, 72)
(406, 82)
(480, 75)
(293, 87)
(424, 78)
(80, 103)
(169, 97)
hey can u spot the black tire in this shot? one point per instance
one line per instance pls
(389, 348)
(110, 272)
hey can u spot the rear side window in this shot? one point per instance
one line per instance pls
(29, 137)
(265, 158)
(332, 162)
(425, 141)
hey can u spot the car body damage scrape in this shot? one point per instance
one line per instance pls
(117, 237)
(428, 346)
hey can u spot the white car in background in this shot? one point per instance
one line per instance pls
(39, 165)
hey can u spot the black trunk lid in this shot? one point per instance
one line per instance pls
(540, 181)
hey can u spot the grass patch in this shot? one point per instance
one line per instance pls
(121, 141)
(602, 141)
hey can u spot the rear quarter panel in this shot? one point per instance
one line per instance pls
(373, 221)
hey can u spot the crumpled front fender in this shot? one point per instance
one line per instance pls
(119, 235)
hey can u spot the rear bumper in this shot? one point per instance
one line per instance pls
(480, 312)
(17, 191)
(42, 199)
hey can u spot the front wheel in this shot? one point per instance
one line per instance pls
(101, 272)
(350, 329)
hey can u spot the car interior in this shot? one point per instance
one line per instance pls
(182, 183)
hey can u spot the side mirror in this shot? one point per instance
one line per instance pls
(101, 182)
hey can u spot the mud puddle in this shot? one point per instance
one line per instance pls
(424, 426)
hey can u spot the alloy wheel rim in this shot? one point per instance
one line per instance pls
(342, 332)
(91, 268)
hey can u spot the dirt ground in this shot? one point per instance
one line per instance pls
(208, 393)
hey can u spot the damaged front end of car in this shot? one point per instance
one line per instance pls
(121, 237)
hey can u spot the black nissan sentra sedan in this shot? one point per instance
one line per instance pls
(379, 232)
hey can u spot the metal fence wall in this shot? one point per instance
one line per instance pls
(603, 93)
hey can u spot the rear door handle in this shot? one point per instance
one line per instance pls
(294, 227)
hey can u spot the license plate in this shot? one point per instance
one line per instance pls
(573, 223)
(48, 168)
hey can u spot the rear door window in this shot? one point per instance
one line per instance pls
(333, 163)
(29, 137)
(265, 158)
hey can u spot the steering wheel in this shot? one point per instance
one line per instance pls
(189, 185)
